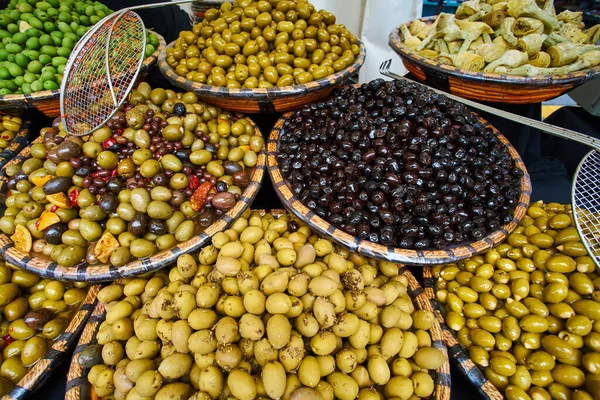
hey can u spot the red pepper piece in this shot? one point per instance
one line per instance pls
(199, 197)
(108, 143)
(193, 182)
(113, 173)
(37, 223)
(73, 195)
(53, 208)
(7, 339)
(6, 137)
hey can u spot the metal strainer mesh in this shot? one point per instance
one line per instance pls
(586, 203)
(101, 72)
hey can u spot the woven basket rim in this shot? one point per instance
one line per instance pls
(388, 253)
(573, 78)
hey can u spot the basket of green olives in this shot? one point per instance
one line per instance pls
(14, 136)
(268, 310)
(263, 56)
(41, 322)
(523, 319)
(165, 174)
(34, 85)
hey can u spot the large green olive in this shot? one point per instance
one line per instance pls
(107, 160)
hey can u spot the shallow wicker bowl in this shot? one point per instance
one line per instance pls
(79, 388)
(55, 355)
(277, 99)
(486, 87)
(457, 352)
(106, 272)
(387, 253)
(48, 101)
(18, 143)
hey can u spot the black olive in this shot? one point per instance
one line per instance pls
(109, 202)
(179, 109)
(54, 233)
(157, 227)
(138, 226)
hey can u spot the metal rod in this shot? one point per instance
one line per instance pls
(543, 126)
(155, 5)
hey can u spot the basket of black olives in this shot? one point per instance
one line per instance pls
(396, 172)
(165, 174)
(260, 56)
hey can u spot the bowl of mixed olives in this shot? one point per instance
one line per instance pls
(526, 313)
(398, 173)
(263, 56)
(42, 81)
(165, 174)
(14, 136)
(41, 320)
(268, 310)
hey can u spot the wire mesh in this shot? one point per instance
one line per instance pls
(102, 73)
(586, 203)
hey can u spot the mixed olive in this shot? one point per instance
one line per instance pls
(269, 310)
(34, 312)
(262, 44)
(399, 165)
(529, 311)
(9, 129)
(162, 170)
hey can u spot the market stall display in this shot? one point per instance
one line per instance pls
(41, 321)
(417, 178)
(14, 135)
(157, 181)
(523, 318)
(258, 57)
(234, 319)
(504, 52)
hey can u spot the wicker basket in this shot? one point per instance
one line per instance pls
(199, 7)
(18, 143)
(398, 255)
(105, 272)
(486, 87)
(457, 352)
(277, 99)
(63, 345)
(48, 101)
(79, 388)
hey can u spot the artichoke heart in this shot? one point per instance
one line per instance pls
(508, 37)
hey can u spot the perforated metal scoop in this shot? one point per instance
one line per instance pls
(585, 198)
(585, 193)
(102, 70)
